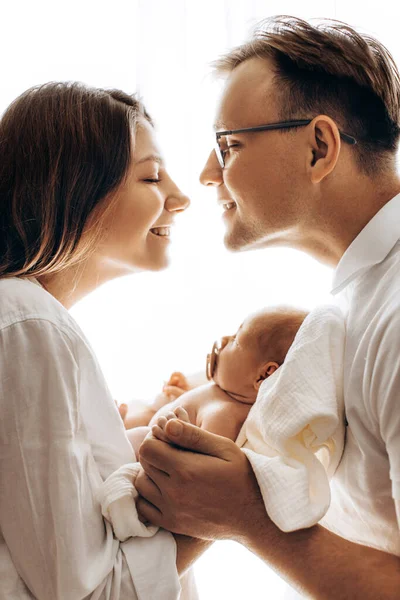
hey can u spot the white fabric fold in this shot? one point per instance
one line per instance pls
(117, 496)
(294, 434)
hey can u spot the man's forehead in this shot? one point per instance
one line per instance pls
(244, 98)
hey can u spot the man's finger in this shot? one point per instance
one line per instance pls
(156, 475)
(158, 454)
(191, 437)
(147, 512)
(148, 489)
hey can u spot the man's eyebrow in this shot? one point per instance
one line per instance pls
(152, 157)
(221, 125)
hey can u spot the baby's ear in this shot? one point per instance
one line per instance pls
(264, 372)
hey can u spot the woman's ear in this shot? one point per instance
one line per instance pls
(325, 148)
(264, 372)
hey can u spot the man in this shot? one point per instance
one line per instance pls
(323, 180)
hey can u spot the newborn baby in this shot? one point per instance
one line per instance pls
(238, 365)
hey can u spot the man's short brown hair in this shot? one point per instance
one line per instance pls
(331, 69)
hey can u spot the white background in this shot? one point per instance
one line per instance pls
(145, 326)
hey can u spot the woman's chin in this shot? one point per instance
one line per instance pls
(157, 264)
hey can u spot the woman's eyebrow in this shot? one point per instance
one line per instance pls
(152, 157)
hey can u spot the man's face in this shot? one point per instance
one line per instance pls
(263, 184)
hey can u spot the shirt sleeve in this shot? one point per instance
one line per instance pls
(50, 517)
(385, 388)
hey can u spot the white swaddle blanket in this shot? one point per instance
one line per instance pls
(294, 433)
(117, 497)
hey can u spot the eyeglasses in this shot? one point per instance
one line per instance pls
(220, 151)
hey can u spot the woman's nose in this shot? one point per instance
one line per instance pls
(177, 202)
(212, 172)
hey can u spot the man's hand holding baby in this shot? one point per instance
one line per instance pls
(204, 491)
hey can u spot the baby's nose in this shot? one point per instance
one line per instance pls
(224, 341)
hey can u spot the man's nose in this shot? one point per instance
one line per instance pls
(212, 172)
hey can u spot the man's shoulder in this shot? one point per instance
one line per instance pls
(377, 290)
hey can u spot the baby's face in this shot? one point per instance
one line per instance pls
(237, 362)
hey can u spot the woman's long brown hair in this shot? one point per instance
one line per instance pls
(64, 147)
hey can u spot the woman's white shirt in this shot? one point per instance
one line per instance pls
(60, 437)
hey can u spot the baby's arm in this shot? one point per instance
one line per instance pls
(210, 408)
(139, 414)
(223, 416)
(136, 437)
(223, 422)
(137, 434)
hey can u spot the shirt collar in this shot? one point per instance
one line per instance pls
(371, 246)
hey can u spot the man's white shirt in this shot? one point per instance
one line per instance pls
(365, 490)
(366, 485)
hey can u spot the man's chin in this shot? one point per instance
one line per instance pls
(235, 243)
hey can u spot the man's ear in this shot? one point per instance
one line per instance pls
(264, 372)
(325, 146)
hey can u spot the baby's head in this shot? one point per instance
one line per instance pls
(241, 362)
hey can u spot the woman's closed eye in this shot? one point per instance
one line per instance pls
(152, 180)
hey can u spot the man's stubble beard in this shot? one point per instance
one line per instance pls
(242, 238)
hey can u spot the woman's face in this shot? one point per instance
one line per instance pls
(136, 230)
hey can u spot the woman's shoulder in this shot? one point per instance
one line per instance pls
(25, 300)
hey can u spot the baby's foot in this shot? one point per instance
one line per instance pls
(158, 429)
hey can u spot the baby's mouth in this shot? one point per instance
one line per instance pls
(212, 360)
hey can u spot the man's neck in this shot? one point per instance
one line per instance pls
(345, 217)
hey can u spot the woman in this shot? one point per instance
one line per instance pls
(84, 198)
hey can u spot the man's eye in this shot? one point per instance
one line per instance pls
(152, 180)
(229, 147)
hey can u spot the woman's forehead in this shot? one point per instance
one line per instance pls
(145, 143)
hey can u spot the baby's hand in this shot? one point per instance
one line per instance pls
(179, 380)
(157, 430)
(176, 386)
